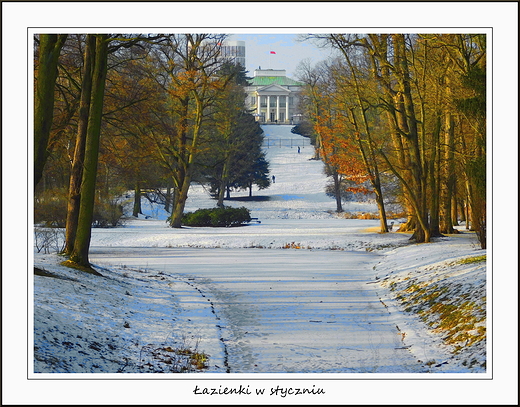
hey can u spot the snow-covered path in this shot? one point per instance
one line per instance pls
(281, 311)
(292, 294)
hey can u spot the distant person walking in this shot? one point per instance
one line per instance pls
(274, 179)
(298, 149)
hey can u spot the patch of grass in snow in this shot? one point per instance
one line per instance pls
(367, 215)
(471, 260)
(459, 319)
(294, 245)
(448, 300)
(165, 359)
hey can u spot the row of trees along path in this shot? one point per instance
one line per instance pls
(115, 112)
(408, 107)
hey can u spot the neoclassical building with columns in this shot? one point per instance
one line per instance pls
(273, 97)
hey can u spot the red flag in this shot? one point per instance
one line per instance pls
(272, 52)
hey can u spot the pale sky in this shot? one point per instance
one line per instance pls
(289, 52)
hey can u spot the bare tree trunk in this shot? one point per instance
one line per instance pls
(408, 125)
(168, 199)
(433, 171)
(467, 213)
(137, 200)
(50, 48)
(224, 181)
(477, 193)
(337, 190)
(187, 167)
(88, 187)
(79, 150)
(383, 221)
(180, 203)
(454, 209)
(447, 221)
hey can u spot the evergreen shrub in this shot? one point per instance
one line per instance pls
(217, 217)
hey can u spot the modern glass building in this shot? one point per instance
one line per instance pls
(234, 51)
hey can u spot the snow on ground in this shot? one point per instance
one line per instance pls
(138, 316)
(448, 278)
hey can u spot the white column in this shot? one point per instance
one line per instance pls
(287, 117)
(278, 108)
(257, 110)
(268, 113)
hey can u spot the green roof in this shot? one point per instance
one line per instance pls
(269, 80)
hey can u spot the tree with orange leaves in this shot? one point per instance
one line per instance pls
(345, 146)
(316, 96)
(416, 106)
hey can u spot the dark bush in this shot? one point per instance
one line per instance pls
(217, 217)
(201, 217)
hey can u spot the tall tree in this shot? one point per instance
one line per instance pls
(390, 68)
(50, 46)
(427, 88)
(318, 95)
(233, 132)
(357, 109)
(191, 62)
(103, 45)
(248, 165)
(471, 53)
(81, 247)
(79, 150)
(311, 99)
